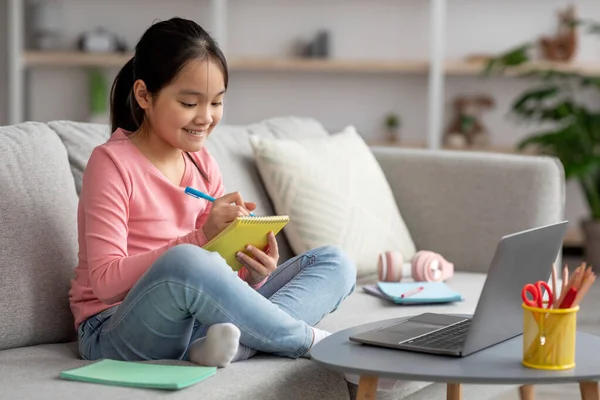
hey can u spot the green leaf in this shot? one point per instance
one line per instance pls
(593, 127)
(593, 81)
(548, 74)
(593, 28)
(537, 104)
(511, 58)
(567, 144)
(536, 95)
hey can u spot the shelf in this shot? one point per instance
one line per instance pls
(78, 59)
(456, 67)
(74, 59)
(476, 67)
(327, 65)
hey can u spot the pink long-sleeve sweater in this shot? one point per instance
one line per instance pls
(129, 214)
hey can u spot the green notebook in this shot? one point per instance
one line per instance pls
(135, 374)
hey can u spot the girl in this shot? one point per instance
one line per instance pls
(144, 287)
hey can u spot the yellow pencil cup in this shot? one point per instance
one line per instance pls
(549, 337)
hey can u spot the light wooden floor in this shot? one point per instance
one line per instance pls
(588, 320)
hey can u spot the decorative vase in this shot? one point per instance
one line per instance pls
(591, 249)
(393, 135)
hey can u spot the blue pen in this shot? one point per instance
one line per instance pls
(200, 195)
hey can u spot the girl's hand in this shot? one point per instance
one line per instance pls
(224, 211)
(263, 263)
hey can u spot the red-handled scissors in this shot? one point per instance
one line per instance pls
(537, 294)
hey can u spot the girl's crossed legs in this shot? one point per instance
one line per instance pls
(189, 289)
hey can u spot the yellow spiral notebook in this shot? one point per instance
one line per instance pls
(245, 231)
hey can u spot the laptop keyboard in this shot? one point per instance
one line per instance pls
(449, 338)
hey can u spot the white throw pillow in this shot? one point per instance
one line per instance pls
(335, 193)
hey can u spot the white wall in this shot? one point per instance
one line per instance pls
(381, 29)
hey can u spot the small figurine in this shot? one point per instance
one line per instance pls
(318, 47)
(466, 129)
(101, 40)
(562, 46)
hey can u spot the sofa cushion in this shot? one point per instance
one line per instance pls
(38, 236)
(33, 373)
(230, 146)
(80, 138)
(335, 194)
(27, 372)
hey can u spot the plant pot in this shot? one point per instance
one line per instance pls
(393, 135)
(591, 246)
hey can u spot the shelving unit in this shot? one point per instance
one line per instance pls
(78, 59)
(436, 67)
(73, 59)
(22, 59)
(450, 67)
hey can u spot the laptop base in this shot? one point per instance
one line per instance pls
(405, 335)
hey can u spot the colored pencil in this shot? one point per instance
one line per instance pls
(412, 292)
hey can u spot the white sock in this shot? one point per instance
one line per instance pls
(318, 335)
(243, 353)
(218, 347)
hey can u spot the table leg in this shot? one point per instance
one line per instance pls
(589, 390)
(367, 388)
(454, 391)
(527, 392)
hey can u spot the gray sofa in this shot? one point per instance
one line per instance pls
(455, 203)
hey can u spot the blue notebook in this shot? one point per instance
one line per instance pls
(433, 292)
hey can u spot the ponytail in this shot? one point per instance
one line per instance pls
(125, 112)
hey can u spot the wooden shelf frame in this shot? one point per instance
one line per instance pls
(20, 59)
(80, 59)
(450, 67)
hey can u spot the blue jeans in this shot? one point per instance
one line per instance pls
(189, 289)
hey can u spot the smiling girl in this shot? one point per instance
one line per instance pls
(144, 288)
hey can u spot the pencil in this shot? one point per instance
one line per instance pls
(582, 271)
(554, 298)
(568, 286)
(412, 292)
(585, 286)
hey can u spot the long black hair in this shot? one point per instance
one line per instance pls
(162, 51)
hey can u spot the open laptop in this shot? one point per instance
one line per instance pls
(520, 258)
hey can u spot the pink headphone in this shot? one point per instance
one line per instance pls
(425, 266)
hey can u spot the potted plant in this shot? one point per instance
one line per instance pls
(392, 124)
(572, 128)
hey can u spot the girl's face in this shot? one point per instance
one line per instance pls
(185, 112)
